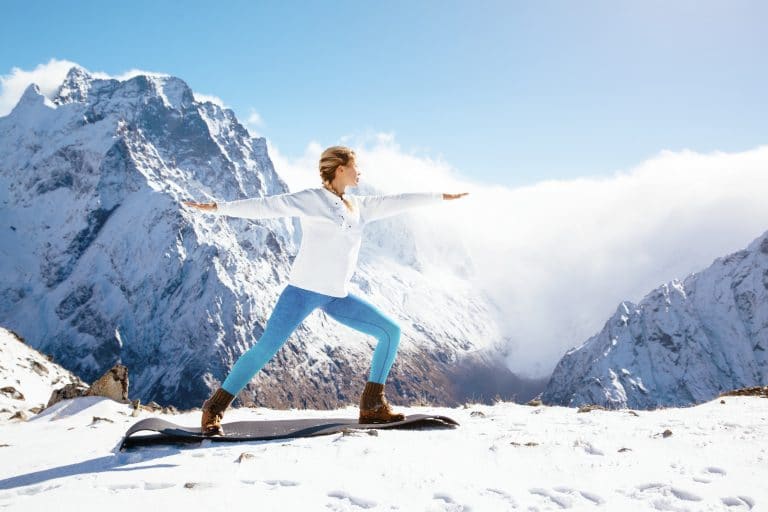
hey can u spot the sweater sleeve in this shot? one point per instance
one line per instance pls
(281, 205)
(377, 207)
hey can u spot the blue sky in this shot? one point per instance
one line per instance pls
(505, 92)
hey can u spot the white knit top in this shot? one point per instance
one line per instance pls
(331, 233)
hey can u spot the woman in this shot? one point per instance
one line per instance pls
(332, 224)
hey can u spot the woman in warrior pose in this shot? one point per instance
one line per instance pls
(332, 224)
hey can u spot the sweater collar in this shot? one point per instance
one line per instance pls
(344, 195)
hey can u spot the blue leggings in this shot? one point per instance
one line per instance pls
(293, 306)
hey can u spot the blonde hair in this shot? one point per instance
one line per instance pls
(330, 160)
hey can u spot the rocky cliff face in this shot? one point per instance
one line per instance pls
(684, 343)
(101, 265)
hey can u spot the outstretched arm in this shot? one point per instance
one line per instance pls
(454, 196)
(281, 205)
(377, 207)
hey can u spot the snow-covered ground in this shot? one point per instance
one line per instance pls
(502, 457)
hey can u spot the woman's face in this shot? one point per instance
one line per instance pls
(351, 174)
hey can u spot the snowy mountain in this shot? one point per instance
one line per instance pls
(27, 378)
(100, 264)
(684, 343)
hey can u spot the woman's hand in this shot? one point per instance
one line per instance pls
(201, 206)
(454, 196)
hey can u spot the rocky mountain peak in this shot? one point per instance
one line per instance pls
(31, 99)
(75, 86)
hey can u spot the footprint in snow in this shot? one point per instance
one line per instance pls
(282, 483)
(354, 500)
(36, 489)
(588, 447)
(156, 486)
(665, 491)
(123, 487)
(708, 472)
(567, 497)
(742, 502)
(450, 504)
(505, 496)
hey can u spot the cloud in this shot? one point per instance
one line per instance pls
(558, 257)
(298, 172)
(127, 75)
(254, 123)
(47, 76)
(200, 97)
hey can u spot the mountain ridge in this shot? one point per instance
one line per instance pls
(683, 343)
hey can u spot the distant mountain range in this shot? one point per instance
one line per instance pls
(683, 344)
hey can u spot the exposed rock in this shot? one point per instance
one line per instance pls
(169, 409)
(245, 456)
(38, 368)
(113, 384)
(591, 407)
(20, 415)
(12, 392)
(750, 391)
(72, 390)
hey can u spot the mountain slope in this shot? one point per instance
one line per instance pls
(684, 343)
(27, 377)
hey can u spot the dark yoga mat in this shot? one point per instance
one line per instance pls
(170, 433)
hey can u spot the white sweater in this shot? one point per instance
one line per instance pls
(332, 233)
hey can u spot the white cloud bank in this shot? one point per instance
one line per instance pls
(559, 256)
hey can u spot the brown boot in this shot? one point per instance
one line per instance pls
(213, 412)
(374, 407)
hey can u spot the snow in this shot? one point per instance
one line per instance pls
(503, 457)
